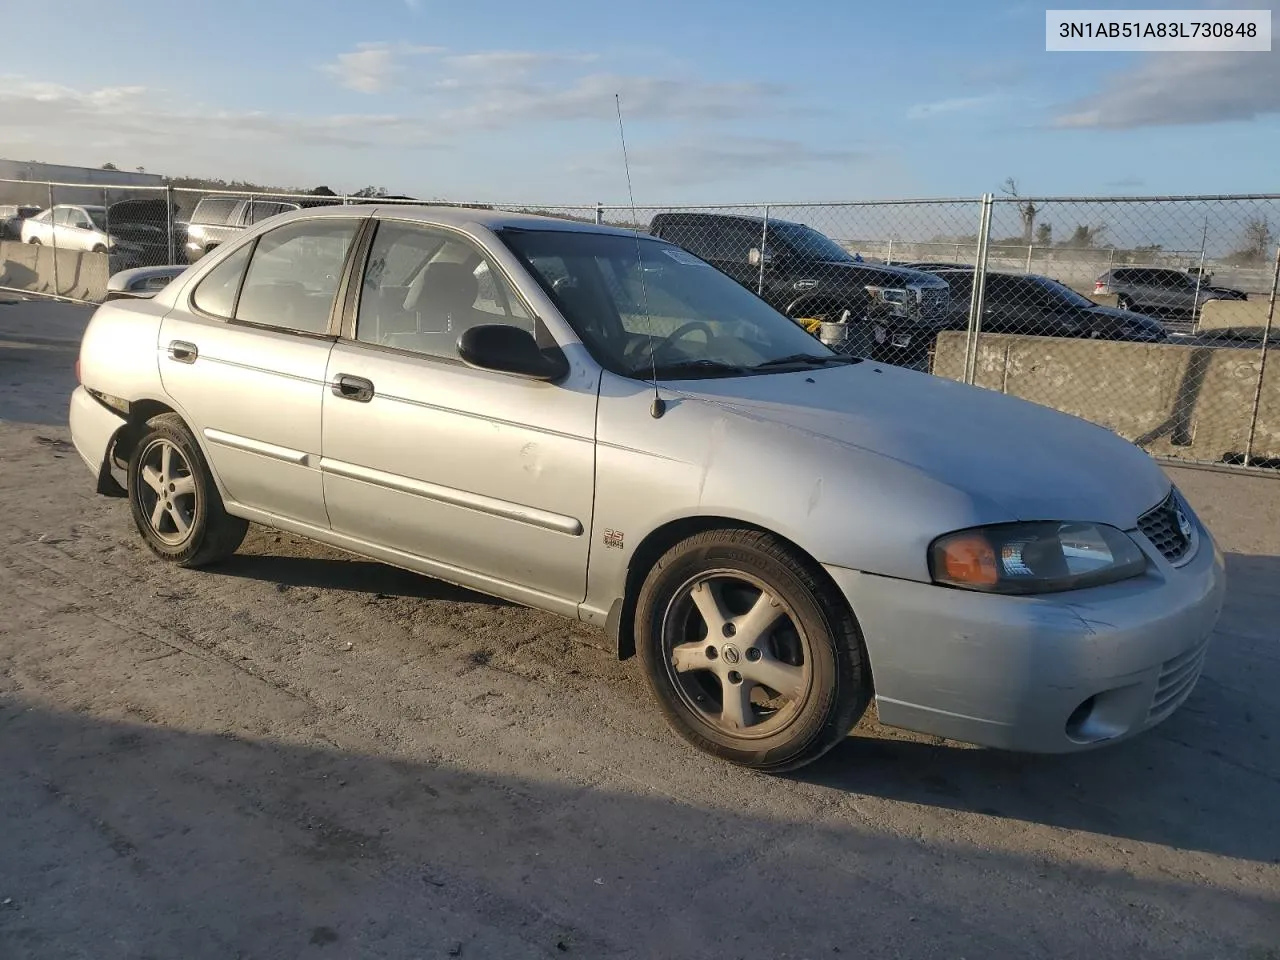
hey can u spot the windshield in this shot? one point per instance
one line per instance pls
(678, 316)
(1063, 292)
(807, 242)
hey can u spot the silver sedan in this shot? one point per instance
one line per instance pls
(599, 424)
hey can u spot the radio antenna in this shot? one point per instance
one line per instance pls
(658, 407)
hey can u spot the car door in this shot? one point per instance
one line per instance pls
(65, 232)
(486, 477)
(244, 356)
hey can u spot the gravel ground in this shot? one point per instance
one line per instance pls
(302, 754)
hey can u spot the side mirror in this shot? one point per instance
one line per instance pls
(507, 349)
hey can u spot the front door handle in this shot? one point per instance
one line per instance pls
(347, 387)
(182, 351)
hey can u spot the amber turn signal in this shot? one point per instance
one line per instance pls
(970, 560)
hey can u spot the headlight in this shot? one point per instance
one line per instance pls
(1043, 557)
(888, 294)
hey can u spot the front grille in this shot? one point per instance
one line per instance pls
(1160, 525)
(1177, 677)
(933, 301)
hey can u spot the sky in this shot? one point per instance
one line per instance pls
(510, 101)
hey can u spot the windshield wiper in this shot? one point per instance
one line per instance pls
(713, 368)
(805, 359)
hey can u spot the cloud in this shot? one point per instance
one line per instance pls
(502, 88)
(693, 161)
(373, 67)
(591, 97)
(516, 61)
(925, 111)
(135, 125)
(1165, 89)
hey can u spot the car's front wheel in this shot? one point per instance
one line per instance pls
(751, 653)
(175, 503)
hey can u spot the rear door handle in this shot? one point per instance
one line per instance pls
(349, 387)
(182, 351)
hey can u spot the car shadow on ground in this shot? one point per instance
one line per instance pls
(342, 573)
(1190, 783)
(199, 843)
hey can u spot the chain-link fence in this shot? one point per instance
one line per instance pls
(1151, 316)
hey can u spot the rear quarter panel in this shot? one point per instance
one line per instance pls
(118, 350)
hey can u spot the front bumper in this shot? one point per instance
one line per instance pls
(1048, 674)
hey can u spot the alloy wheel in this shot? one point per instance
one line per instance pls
(736, 654)
(167, 492)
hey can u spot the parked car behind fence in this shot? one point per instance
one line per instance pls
(1162, 290)
(1040, 306)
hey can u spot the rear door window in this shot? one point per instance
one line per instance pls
(294, 273)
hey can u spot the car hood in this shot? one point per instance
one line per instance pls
(1227, 291)
(886, 273)
(1134, 321)
(1032, 462)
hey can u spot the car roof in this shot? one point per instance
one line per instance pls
(451, 216)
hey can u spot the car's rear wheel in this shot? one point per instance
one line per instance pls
(174, 501)
(34, 241)
(750, 652)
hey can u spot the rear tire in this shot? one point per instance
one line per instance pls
(752, 655)
(174, 501)
(34, 241)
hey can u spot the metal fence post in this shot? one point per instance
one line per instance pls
(599, 214)
(1030, 247)
(764, 247)
(889, 257)
(53, 239)
(168, 219)
(978, 296)
(1262, 362)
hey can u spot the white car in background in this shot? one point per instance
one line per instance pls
(76, 227)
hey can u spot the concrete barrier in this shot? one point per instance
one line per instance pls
(1192, 402)
(1237, 318)
(80, 275)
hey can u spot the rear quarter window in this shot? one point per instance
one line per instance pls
(214, 210)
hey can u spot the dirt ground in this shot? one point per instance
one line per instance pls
(301, 754)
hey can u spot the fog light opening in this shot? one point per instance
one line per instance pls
(1079, 717)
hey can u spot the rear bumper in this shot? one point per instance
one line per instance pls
(1051, 674)
(93, 428)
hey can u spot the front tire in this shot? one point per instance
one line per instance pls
(174, 501)
(751, 653)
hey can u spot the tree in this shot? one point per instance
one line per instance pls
(109, 166)
(1044, 234)
(1026, 209)
(1084, 236)
(1255, 241)
(371, 191)
(323, 192)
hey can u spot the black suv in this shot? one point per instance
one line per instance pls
(807, 275)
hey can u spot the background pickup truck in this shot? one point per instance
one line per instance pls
(218, 219)
(805, 274)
